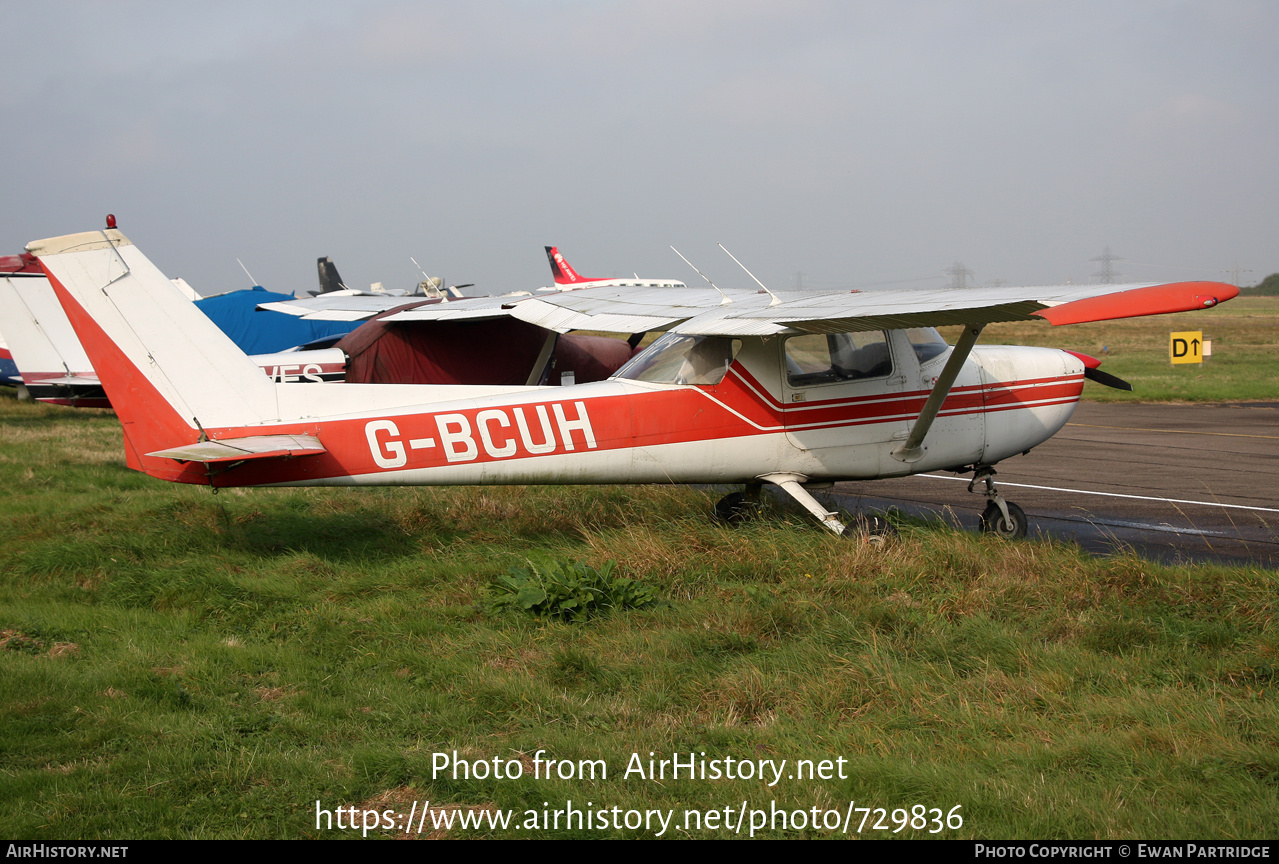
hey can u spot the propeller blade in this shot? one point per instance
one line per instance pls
(1107, 379)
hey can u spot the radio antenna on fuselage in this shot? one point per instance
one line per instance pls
(776, 299)
(726, 299)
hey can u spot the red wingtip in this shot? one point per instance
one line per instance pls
(1150, 300)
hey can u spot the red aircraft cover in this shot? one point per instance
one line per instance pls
(499, 351)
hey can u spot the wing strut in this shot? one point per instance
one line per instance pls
(912, 449)
(538, 374)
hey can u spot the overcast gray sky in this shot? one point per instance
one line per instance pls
(855, 143)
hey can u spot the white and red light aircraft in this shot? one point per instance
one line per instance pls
(793, 389)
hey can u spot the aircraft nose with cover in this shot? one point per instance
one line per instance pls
(796, 389)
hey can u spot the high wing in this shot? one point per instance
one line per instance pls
(707, 312)
(360, 307)
(336, 306)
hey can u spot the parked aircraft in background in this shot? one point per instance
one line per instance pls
(431, 287)
(8, 369)
(52, 365)
(468, 340)
(9, 373)
(795, 389)
(336, 302)
(567, 279)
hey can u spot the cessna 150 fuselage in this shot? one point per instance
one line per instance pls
(745, 387)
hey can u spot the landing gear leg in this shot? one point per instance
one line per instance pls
(1001, 517)
(790, 483)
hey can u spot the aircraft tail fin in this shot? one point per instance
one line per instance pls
(168, 370)
(563, 271)
(329, 278)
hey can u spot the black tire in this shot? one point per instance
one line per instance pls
(735, 508)
(993, 522)
(873, 530)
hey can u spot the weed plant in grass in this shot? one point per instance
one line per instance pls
(175, 664)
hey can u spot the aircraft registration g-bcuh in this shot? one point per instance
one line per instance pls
(794, 389)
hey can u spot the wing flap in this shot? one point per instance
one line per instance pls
(239, 449)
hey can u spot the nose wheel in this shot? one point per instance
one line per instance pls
(1011, 527)
(1001, 517)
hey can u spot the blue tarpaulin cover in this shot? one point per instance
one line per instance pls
(265, 332)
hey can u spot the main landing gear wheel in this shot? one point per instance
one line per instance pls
(1012, 528)
(736, 508)
(875, 531)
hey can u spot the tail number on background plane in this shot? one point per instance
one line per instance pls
(291, 374)
(499, 435)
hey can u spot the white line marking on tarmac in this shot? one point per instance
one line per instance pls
(1115, 495)
(1174, 431)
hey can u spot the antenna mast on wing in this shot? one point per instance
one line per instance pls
(776, 299)
(726, 299)
(429, 285)
(246, 272)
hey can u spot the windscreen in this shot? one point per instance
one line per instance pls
(676, 359)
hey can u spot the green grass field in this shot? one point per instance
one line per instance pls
(175, 664)
(1244, 364)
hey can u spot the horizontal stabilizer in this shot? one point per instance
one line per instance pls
(239, 449)
(70, 381)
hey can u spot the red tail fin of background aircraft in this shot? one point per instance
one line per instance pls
(563, 271)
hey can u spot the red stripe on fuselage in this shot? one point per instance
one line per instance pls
(493, 432)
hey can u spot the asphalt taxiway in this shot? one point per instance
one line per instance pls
(1183, 482)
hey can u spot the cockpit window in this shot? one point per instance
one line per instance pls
(927, 342)
(828, 358)
(676, 359)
